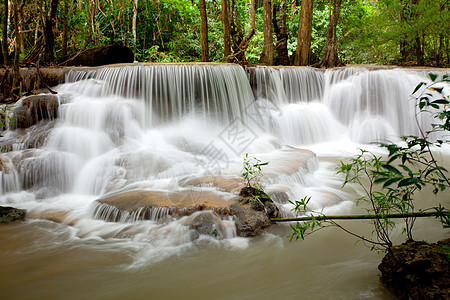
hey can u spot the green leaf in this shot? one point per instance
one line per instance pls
(391, 181)
(440, 101)
(408, 181)
(392, 169)
(418, 87)
(432, 76)
(380, 180)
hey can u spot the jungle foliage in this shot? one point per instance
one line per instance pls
(413, 32)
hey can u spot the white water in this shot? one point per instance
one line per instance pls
(154, 126)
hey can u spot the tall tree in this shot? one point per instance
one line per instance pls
(15, 89)
(304, 34)
(203, 31)
(49, 34)
(5, 32)
(267, 52)
(330, 57)
(134, 21)
(281, 34)
(241, 43)
(65, 29)
(226, 29)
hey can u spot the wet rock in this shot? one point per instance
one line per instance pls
(11, 214)
(418, 270)
(158, 205)
(259, 200)
(249, 222)
(206, 223)
(34, 109)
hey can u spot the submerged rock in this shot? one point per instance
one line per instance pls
(206, 223)
(11, 214)
(418, 270)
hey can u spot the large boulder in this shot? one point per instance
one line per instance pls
(11, 214)
(418, 270)
(99, 56)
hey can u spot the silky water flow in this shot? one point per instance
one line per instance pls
(167, 129)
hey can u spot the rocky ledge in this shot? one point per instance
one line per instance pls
(11, 214)
(418, 270)
(250, 211)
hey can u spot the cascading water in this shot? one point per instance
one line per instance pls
(182, 130)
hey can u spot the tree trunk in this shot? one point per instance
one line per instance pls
(281, 34)
(203, 31)
(65, 28)
(5, 33)
(15, 89)
(241, 43)
(330, 58)
(267, 53)
(49, 34)
(304, 34)
(134, 21)
(226, 30)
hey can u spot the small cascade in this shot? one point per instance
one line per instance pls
(9, 177)
(283, 85)
(173, 91)
(111, 213)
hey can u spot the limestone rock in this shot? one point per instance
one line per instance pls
(11, 214)
(157, 205)
(249, 222)
(206, 223)
(418, 270)
(34, 109)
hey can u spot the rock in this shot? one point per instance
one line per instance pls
(418, 270)
(11, 214)
(34, 109)
(249, 222)
(259, 200)
(158, 205)
(99, 56)
(31, 81)
(206, 223)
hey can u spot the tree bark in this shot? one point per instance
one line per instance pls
(330, 58)
(65, 29)
(49, 34)
(241, 43)
(134, 21)
(281, 34)
(304, 34)
(267, 53)
(203, 31)
(5, 33)
(15, 88)
(226, 30)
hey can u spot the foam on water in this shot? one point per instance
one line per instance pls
(152, 126)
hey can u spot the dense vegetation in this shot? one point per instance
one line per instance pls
(413, 32)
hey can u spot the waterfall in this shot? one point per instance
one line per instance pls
(181, 130)
(172, 91)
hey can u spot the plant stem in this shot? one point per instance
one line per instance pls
(360, 217)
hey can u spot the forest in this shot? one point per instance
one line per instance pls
(322, 33)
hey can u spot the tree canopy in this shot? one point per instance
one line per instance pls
(412, 32)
